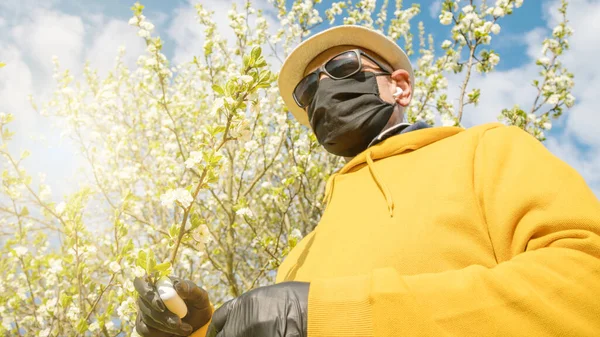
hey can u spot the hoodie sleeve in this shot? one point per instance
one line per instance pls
(544, 225)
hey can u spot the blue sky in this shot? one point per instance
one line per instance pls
(32, 31)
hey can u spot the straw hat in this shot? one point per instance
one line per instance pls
(294, 66)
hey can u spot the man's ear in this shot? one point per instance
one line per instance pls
(402, 79)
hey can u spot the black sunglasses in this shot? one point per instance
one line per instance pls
(338, 67)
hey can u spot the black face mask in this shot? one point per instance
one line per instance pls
(347, 114)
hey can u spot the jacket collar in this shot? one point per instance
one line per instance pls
(398, 129)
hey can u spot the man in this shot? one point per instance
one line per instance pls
(427, 231)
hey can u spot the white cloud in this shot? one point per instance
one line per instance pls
(15, 84)
(188, 34)
(47, 33)
(36, 34)
(586, 163)
(435, 8)
(499, 90)
(105, 45)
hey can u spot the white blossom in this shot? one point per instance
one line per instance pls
(194, 158)
(495, 29)
(246, 78)
(55, 265)
(251, 145)
(570, 100)
(544, 60)
(244, 212)
(147, 26)
(95, 326)
(73, 313)
(20, 250)
(494, 59)
(230, 101)
(114, 266)
(180, 195)
(553, 99)
(202, 236)
(143, 33)
(138, 271)
(447, 120)
(7, 322)
(498, 12)
(446, 18)
(296, 234)
(134, 21)
(109, 325)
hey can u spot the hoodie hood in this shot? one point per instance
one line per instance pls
(392, 146)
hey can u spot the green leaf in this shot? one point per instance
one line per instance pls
(128, 247)
(215, 159)
(163, 267)
(142, 259)
(264, 85)
(82, 325)
(137, 9)
(230, 88)
(208, 48)
(174, 231)
(195, 220)
(247, 61)
(256, 51)
(65, 300)
(218, 89)
(151, 261)
(24, 211)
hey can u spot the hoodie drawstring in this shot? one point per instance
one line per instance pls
(384, 189)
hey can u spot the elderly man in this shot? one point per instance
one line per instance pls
(427, 231)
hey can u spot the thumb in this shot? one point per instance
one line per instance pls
(190, 292)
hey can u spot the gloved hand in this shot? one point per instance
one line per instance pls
(155, 320)
(277, 310)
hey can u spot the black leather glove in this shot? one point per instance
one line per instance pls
(155, 320)
(279, 310)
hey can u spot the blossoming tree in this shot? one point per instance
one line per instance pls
(197, 170)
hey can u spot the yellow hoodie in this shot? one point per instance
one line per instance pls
(453, 232)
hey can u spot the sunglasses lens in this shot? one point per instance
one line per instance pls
(343, 65)
(305, 90)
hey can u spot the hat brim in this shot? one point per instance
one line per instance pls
(295, 64)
